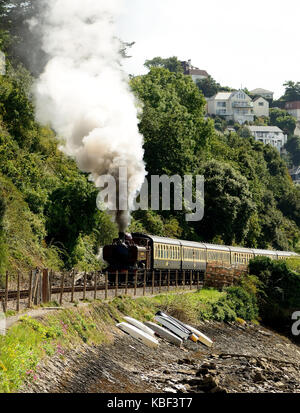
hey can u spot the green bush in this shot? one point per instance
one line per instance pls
(279, 290)
(242, 302)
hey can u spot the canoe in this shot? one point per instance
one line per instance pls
(173, 327)
(193, 337)
(201, 337)
(164, 333)
(138, 334)
(139, 325)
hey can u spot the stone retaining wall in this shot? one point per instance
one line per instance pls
(220, 276)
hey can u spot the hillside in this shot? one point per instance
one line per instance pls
(250, 199)
(49, 214)
(48, 207)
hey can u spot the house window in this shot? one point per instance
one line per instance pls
(261, 103)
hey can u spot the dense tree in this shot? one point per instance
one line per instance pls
(170, 63)
(293, 147)
(172, 122)
(292, 91)
(281, 118)
(228, 204)
(14, 18)
(208, 86)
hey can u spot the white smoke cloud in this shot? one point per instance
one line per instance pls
(84, 94)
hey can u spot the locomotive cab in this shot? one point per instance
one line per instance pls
(125, 254)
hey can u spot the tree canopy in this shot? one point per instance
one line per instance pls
(292, 91)
(281, 118)
(170, 63)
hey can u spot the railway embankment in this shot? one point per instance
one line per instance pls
(79, 349)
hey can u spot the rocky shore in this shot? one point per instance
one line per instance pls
(245, 358)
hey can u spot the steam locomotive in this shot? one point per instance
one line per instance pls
(135, 253)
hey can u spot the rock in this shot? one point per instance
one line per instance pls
(225, 356)
(218, 389)
(209, 366)
(186, 361)
(201, 372)
(265, 333)
(170, 390)
(258, 377)
(186, 372)
(210, 381)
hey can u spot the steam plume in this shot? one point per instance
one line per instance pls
(84, 94)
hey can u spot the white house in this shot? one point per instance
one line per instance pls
(261, 107)
(266, 94)
(195, 72)
(293, 108)
(271, 135)
(236, 106)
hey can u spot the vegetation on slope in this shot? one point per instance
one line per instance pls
(249, 196)
(278, 290)
(48, 208)
(27, 342)
(48, 213)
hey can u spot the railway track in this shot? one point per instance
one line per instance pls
(13, 294)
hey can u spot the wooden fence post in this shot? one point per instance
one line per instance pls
(135, 282)
(191, 279)
(96, 285)
(176, 279)
(45, 286)
(73, 286)
(6, 292)
(50, 285)
(197, 280)
(117, 283)
(160, 281)
(18, 293)
(62, 289)
(144, 286)
(153, 281)
(126, 283)
(30, 289)
(106, 285)
(183, 282)
(168, 281)
(84, 286)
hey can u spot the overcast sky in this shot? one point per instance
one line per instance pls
(250, 44)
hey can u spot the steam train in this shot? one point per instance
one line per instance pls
(135, 253)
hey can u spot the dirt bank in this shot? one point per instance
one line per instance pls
(246, 358)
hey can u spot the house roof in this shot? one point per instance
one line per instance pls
(259, 97)
(222, 96)
(195, 71)
(260, 90)
(264, 129)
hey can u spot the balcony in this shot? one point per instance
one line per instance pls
(242, 104)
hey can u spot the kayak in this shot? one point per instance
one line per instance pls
(201, 337)
(164, 333)
(175, 328)
(139, 325)
(138, 334)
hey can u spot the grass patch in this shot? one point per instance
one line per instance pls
(30, 340)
